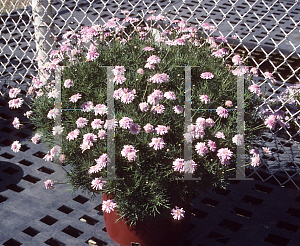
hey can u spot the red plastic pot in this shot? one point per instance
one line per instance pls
(164, 232)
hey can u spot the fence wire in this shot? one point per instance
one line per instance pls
(266, 32)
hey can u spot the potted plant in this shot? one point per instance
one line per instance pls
(149, 111)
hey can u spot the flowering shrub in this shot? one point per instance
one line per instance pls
(149, 96)
(283, 111)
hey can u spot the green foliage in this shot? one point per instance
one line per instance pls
(149, 183)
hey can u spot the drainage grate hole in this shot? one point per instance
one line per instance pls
(48, 220)
(210, 202)
(252, 200)
(30, 231)
(26, 163)
(3, 198)
(104, 229)
(24, 148)
(12, 242)
(263, 188)
(7, 142)
(7, 156)
(80, 199)
(235, 182)
(243, 212)
(287, 226)
(231, 225)
(89, 220)
(191, 227)
(221, 191)
(99, 208)
(293, 212)
(31, 179)
(5, 116)
(6, 129)
(54, 242)
(277, 240)
(46, 170)
(198, 213)
(65, 209)
(15, 188)
(21, 135)
(95, 242)
(218, 237)
(10, 170)
(72, 231)
(135, 244)
(39, 154)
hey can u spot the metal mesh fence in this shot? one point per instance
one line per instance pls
(267, 32)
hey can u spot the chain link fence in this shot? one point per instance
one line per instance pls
(266, 32)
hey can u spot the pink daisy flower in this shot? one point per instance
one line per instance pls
(49, 184)
(75, 98)
(125, 122)
(98, 183)
(221, 39)
(205, 26)
(13, 92)
(159, 78)
(108, 206)
(270, 122)
(178, 165)
(238, 139)
(148, 128)
(119, 79)
(209, 122)
(53, 113)
(48, 157)
(89, 138)
(237, 60)
(190, 166)
(212, 145)
(127, 97)
(97, 123)
(72, 135)
(102, 160)
(159, 109)
(201, 122)
(81, 122)
(148, 48)
(144, 106)
(16, 123)
(178, 109)
(87, 106)
(162, 130)
(222, 112)
(267, 150)
(179, 41)
(220, 135)
(150, 66)
(224, 155)
(57, 130)
(201, 148)
(102, 134)
(16, 146)
(228, 104)
(205, 99)
(56, 150)
(140, 71)
(135, 129)
(110, 124)
(170, 95)
(153, 59)
(16, 103)
(68, 83)
(85, 146)
(119, 70)
(254, 152)
(207, 75)
(100, 109)
(36, 138)
(177, 213)
(95, 169)
(157, 143)
(254, 71)
(255, 161)
(255, 89)
(268, 75)
(131, 156)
